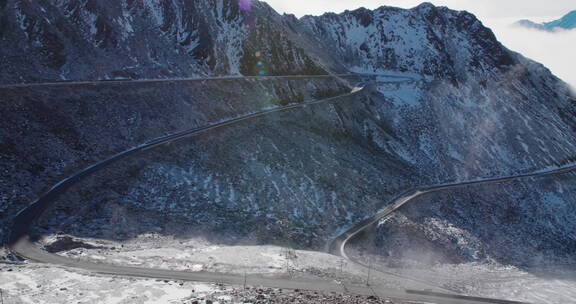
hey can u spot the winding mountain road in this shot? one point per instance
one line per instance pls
(156, 80)
(24, 219)
(22, 244)
(338, 245)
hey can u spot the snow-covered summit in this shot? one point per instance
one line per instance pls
(426, 40)
(71, 40)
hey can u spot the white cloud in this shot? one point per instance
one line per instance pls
(555, 50)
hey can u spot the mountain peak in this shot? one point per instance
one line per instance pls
(391, 39)
(425, 6)
(567, 22)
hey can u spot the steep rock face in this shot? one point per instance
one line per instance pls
(426, 40)
(474, 115)
(83, 40)
(458, 132)
(272, 48)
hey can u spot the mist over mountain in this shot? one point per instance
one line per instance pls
(567, 22)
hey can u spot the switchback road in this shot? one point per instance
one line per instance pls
(338, 245)
(21, 244)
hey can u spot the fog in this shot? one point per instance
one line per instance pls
(554, 50)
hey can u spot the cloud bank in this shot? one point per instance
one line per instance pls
(555, 50)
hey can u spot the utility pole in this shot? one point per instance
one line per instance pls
(286, 259)
(244, 279)
(369, 267)
(287, 255)
(221, 281)
(1, 296)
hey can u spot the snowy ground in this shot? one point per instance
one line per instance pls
(543, 286)
(35, 283)
(40, 283)
(197, 254)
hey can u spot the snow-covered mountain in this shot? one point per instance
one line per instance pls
(91, 39)
(71, 40)
(473, 109)
(567, 22)
(430, 41)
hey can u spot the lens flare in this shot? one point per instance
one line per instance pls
(260, 67)
(245, 5)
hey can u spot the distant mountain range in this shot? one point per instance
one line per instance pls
(567, 22)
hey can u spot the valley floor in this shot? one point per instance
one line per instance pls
(37, 283)
(197, 254)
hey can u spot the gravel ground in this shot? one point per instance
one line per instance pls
(280, 296)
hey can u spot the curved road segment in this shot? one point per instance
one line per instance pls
(128, 81)
(338, 245)
(25, 218)
(21, 244)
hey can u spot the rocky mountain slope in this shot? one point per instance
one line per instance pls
(72, 40)
(512, 240)
(473, 109)
(427, 41)
(50, 133)
(527, 223)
